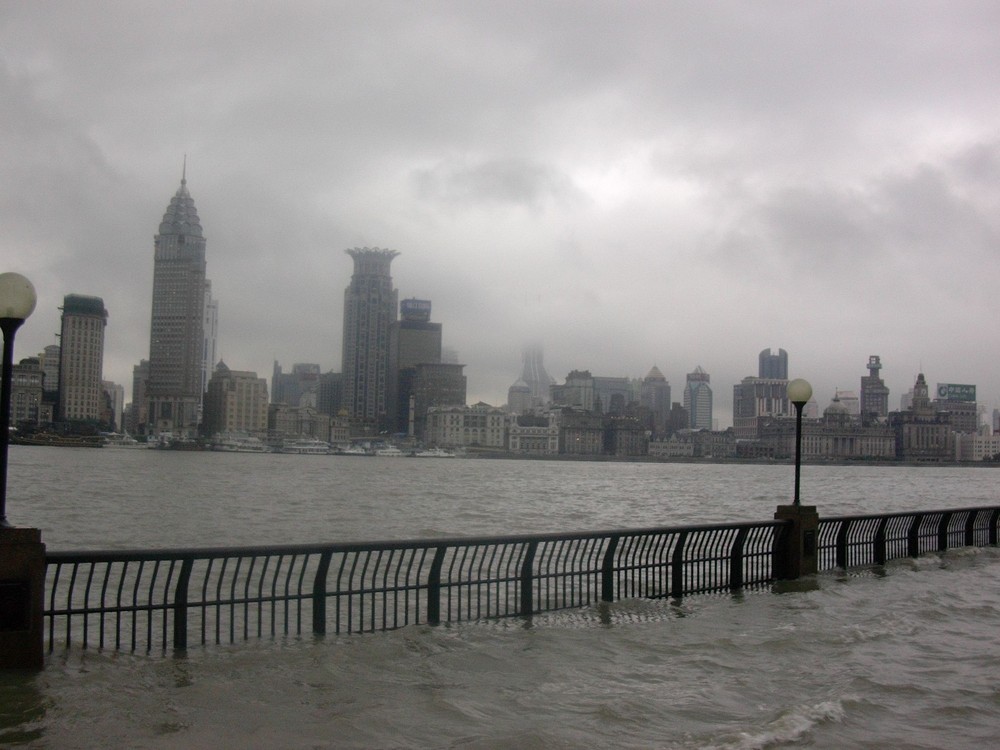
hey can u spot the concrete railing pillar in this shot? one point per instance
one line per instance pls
(22, 598)
(797, 554)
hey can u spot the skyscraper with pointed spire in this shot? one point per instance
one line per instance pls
(370, 305)
(177, 332)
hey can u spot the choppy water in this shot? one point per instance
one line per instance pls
(902, 656)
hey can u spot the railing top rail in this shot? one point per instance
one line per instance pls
(196, 553)
(906, 513)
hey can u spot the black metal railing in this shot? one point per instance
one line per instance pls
(146, 600)
(852, 541)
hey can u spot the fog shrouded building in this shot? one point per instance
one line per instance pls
(773, 366)
(874, 394)
(533, 389)
(413, 340)
(177, 343)
(369, 311)
(698, 399)
(81, 357)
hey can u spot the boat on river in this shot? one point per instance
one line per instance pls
(234, 443)
(433, 453)
(389, 450)
(306, 447)
(120, 440)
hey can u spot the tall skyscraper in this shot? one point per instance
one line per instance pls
(773, 366)
(369, 310)
(413, 340)
(874, 394)
(534, 375)
(698, 399)
(177, 344)
(655, 396)
(81, 357)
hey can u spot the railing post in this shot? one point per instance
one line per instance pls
(736, 560)
(608, 570)
(994, 520)
(970, 528)
(319, 593)
(434, 587)
(181, 605)
(878, 543)
(943, 531)
(527, 573)
(796, 551)
(22, 598)
(913, 536)
(677, 567)
(842, 535)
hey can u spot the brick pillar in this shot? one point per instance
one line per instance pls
(22, 597)
(799, 554)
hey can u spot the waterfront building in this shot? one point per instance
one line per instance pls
(874, 393)
(519, 398)
(284, 421)
(655, 396)
(577, 392)
(535, 378)
(477, 426)
(977, 446)
(960, 402)
(81, 358)
(837, 435)
(755, 399)
(688, 443)
(115, 395)
(136, 420)
(300, 387)
(581, 432)
(369, 310)
(413, 340)
(698, 399)
(922, 432)
(236, 402)
(850, 401)
(432, 385)
(533, 434)
(26, 404)
(772, 366)
(613, 395)
(329, 394)
(210, 332)
(49, 361)
(177, 340)
(625, 435)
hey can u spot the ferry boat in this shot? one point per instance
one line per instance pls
(120, 440)
(306, 447)
(232, 443)
(389, 450)
(434, 453)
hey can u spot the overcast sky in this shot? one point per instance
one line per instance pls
(629, 184)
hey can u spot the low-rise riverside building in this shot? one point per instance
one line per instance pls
(923, 433)
(837, 435)
(977, 447)
(236, 401)
(581, 432)
(26, 405)
(476, 426)
(534, 434)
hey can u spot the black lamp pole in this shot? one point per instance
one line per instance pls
(9, 326)
(17, 301)
(799, 393)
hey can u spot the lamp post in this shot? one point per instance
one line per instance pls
(799, 393)
(17, 302)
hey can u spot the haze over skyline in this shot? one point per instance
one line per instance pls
(629, 185)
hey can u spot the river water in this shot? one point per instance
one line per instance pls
(906, 655)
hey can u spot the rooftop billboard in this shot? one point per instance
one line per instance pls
(956, 392)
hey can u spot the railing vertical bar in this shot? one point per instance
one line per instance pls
(842, 536)
(677, 566)
(319, 595)
(878, 543)
(526, 574)
(181, 604)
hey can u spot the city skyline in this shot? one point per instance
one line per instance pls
(609, 185)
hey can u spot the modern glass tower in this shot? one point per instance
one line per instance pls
(177, 332)
(773, 366)
(370, 305)
(698, 399)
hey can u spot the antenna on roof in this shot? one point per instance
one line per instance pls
(184, 170)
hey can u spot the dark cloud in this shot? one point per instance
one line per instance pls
(631, 184)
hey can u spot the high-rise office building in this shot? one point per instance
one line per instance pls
(773, 366)
(369, 310)
(210, 332)
(698, 399)
(874, 394)
(236, 401)
(81, 357)
(655, 396)
(413, 340)
(177, 344)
